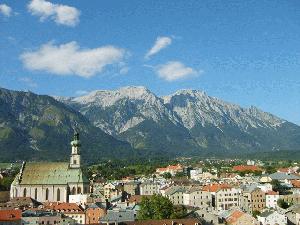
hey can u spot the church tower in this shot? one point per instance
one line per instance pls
(75, 156)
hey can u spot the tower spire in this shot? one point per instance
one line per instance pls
(75, 155)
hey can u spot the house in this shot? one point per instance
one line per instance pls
(284, 177)
(149, 188)
(132, 188)
(21, 203)
(209, 217)
(293, 214)
(213, 189)
(32, 217)
(252, 199)
(172, 169)
(71, 210)
(246, 168)
(94, 213)
(10, 217)
(237, 217)
(118, 216)
(175, 194)
(196, 197)
(292, 198)
(195, 174)
(137, 199)
(111, 191)
(272, 218)
(190, 221)
(227, 198)
(271, 199)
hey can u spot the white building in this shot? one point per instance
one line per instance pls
(175, 194)
(271, 199)
(227, 198)
(149, 188)
(52, 181)
(81, 200)
(196, 174)
(272, 218)
(197, 197)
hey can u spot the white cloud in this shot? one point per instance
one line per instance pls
(69, 59)
(160, 43)
(61, 14)
(5, 10)
(124, 70)
(28, 81)
(175, 70)
(81, 92)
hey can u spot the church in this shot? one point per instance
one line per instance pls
(52, 181)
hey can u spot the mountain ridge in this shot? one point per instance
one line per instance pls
(199, 121)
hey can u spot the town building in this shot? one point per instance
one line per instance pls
(172, 169)
(30, 217)
(52, 181)
(10, 217)
(94, 213)
(237, 217)
(70, 210)
(149, 188)
(175, 194)
(197, 197)
(271, 199)
(272, 218)
(227, 198)
(132, 188)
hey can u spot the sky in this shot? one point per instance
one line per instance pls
(245, 52)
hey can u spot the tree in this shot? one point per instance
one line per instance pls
(256, 213)
(156, 207)
(278, 187)
(167, 175)
(180, 211)
(283, 204)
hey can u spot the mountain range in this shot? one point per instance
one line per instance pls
(37, 127)
(186, 122)
(133, 121)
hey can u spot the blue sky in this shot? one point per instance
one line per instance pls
(246, 52)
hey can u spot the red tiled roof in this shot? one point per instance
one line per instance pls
(295, 183)
(136, 198)
(283, 170)
(235, 215)
(272, 193)
(170, 167)
(215, 187)
(10, 215)
(66, 207)
(190, 221)
(246, 168)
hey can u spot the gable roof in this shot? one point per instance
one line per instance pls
(65, 207)
(49, 173)
(189, 221)
(215, 187)
(234, 216)
(246, 168)
(10, 215)
(284, 176)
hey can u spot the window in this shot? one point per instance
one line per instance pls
(47, 194)
(73, 191)
(35, 194)
(58, 195)
(24, 192)
(79, 190)
(74, 162)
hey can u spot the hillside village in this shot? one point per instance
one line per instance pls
(237, 192)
